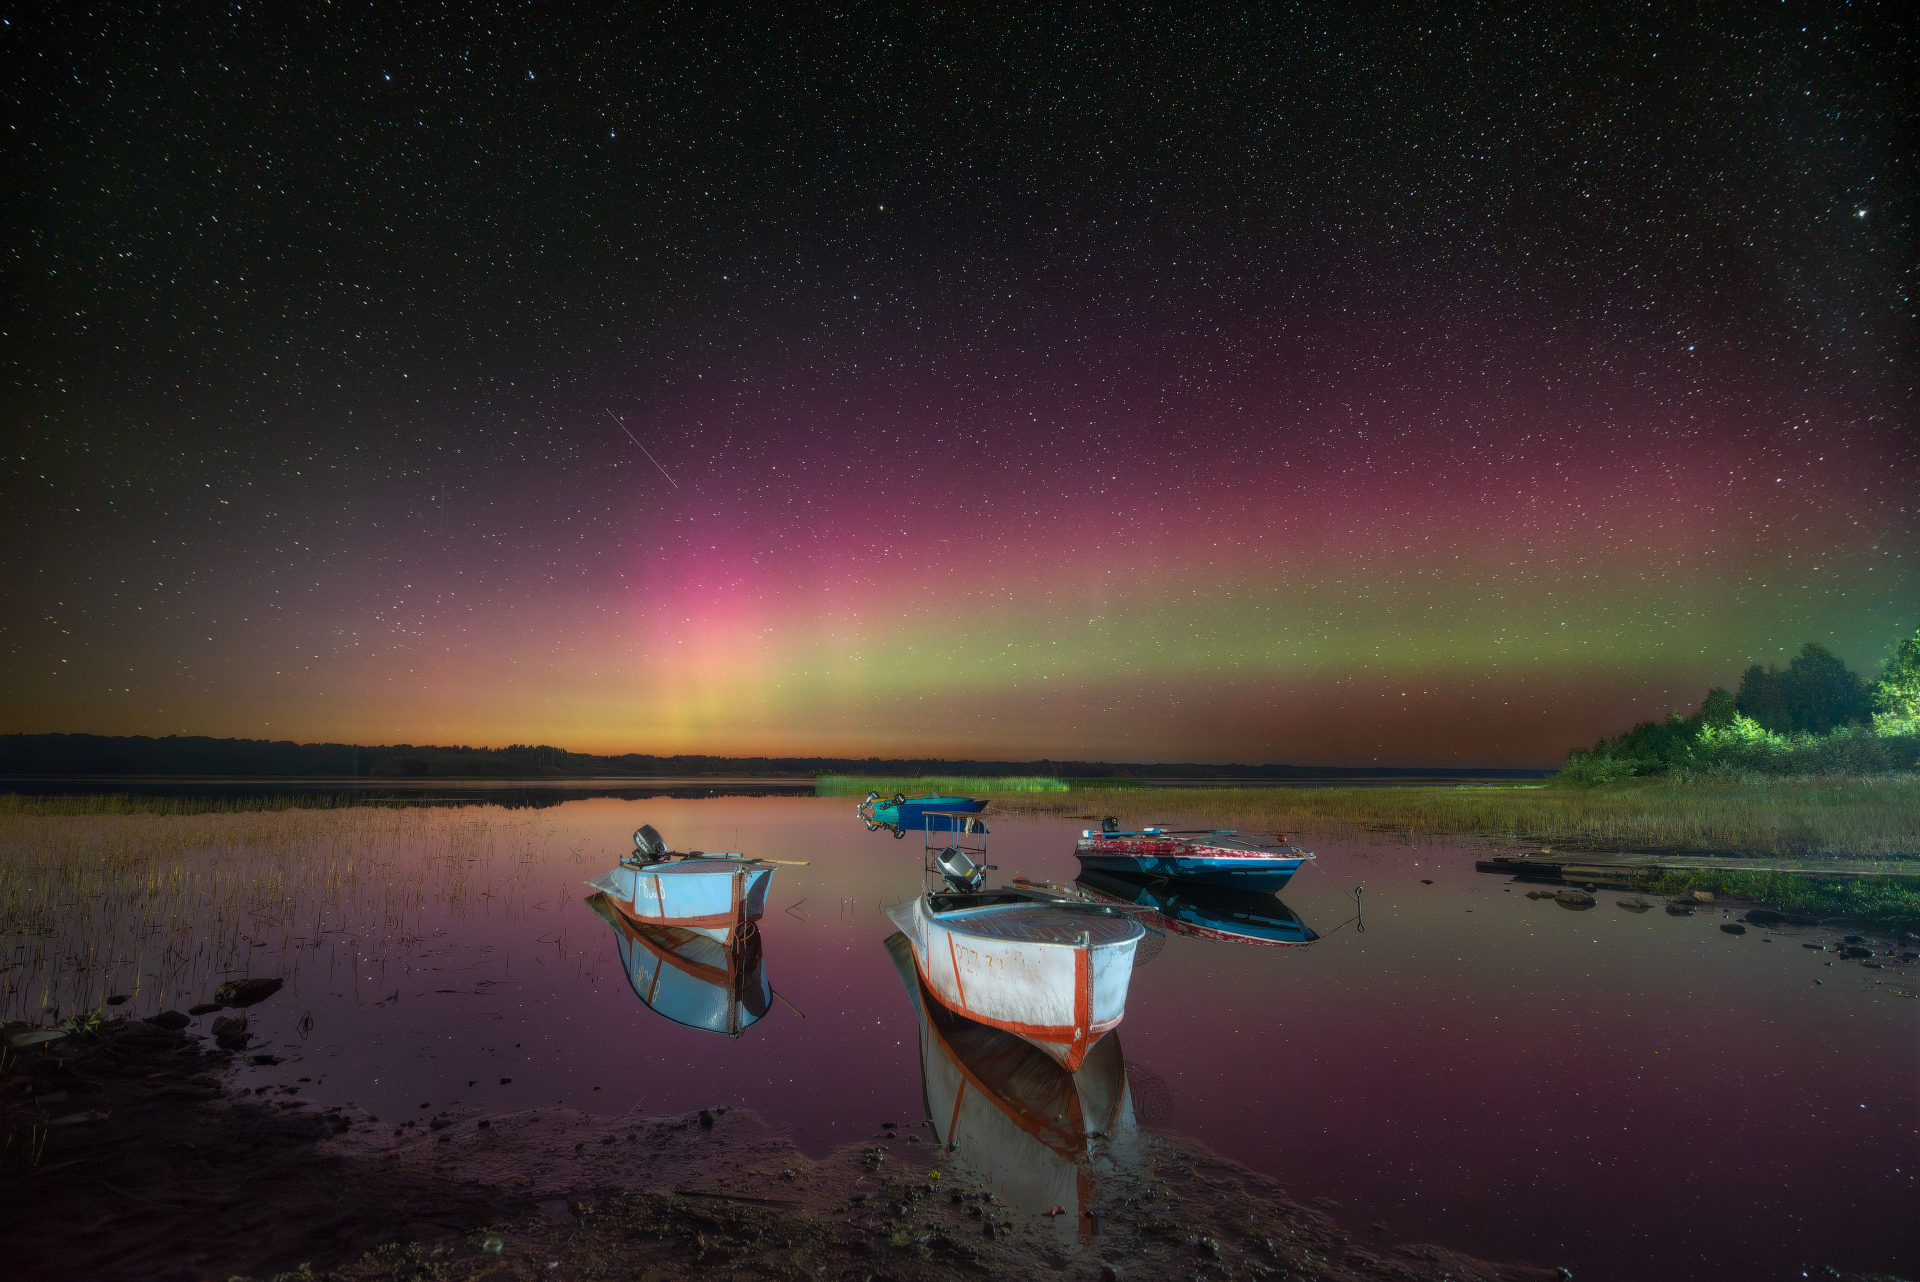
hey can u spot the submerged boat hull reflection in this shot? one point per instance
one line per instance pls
(691, 978)
(1041, 1135)
(1200, 911)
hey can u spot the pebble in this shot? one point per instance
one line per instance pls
(1732, 929)
(246, 992)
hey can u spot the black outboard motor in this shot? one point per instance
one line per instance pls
(648, 844)
(1110, 824)
(960, 872)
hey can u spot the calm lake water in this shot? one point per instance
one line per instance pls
(1632, 1096)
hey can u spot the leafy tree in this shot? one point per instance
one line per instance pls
(1815, 693)
(1895, 696)
(1763, 698)
(1717, 709)
(1822, 691)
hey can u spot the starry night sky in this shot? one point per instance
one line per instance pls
(1325, 387)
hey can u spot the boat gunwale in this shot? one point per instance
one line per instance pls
(957, 920)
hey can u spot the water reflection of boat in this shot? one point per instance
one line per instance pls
(1039, 1134)
(1202, 911)
(1219, 857)
(691, 978)
(713, 895)
(1050, 969)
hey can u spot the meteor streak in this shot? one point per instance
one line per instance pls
(643, 449)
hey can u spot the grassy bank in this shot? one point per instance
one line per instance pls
(1874, 818)
(943, 785)
(1883, 901)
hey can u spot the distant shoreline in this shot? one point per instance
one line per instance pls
(201, 756)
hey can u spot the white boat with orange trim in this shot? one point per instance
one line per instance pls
(1053, 970)
(713, 895)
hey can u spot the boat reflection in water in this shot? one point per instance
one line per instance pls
(1043, 1138)
(688, 976)
(1200, 911)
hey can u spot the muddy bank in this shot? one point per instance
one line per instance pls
(126, 1156)
(129, 1156)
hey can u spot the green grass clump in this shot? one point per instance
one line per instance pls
(943, 785)
(1884, 901)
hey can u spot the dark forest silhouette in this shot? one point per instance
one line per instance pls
(87, 754)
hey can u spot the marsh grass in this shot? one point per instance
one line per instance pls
(947, 785)
(1875, 818)
(162, 906)
(13, 804)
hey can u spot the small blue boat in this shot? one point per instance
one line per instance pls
(1215, 857)
(906, 814)
(1199, 911)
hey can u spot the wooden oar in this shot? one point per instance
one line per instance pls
(755, 859)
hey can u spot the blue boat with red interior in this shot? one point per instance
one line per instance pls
(1210, 857)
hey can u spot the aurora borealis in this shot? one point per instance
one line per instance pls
(1320, 389)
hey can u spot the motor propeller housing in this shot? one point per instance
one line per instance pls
(960, 872)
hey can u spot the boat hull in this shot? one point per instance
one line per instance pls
(1245, 874)
(911, 815)
(1019, 968)
(1221, 913)
(1209, 863)
(713, 897)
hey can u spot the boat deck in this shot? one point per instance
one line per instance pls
(1041, 924)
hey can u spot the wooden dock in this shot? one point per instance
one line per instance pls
(1630, 872)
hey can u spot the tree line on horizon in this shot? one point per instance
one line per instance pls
(89, 754)
(1815, 716)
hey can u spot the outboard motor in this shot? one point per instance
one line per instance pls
(960, 872)
(1110, 824)
(648, 844)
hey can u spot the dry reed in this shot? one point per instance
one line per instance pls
(1871, 818)
(163, 906)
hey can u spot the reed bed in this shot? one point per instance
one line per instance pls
(13, 804)
(164, 907)
(1870, 818)
(948, 785)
